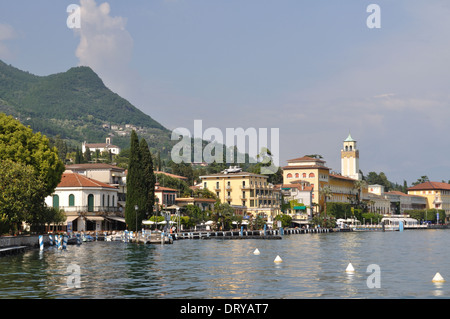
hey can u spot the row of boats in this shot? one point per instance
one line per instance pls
(386, 224)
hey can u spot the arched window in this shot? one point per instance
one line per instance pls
(304, 175)
(297, 175)
(289, 175)
(350, 147)
(71, 200)
(346, 148)
(311, 175)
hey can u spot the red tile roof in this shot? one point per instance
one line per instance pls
(93, 166)
(171, 175)
(342, 177)
(164, 189)
(305, 167)
(430, 186)
(77, 180)
(305, 159)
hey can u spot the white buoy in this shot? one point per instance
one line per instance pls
(350, 268)
(256, 252)
(438, 278)
(278, 260)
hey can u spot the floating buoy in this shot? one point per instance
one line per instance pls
(438, 278)
(350, 268)
(256, 252)
(278, 260)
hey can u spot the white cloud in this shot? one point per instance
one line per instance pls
(7, 33)
(106, 46)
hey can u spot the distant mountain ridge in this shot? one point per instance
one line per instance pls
(75, 105)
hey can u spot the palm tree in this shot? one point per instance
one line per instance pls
(326, 192)
(358, 185)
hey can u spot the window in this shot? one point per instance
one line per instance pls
(243, 195)
(71, 200)
(55, 201)
(304, 175)
(297, 175)
(311, 175)
(205, 185)
(217, 185)
(289, 175)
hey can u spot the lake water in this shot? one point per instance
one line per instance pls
(313, 267)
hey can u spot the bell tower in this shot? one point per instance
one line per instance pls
(350, 159)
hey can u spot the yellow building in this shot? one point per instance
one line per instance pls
(308, 169)
(245, 190)
(318, 175)
(436, 193)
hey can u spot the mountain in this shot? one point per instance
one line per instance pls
(76, 106)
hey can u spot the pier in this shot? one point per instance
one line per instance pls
(250, 234)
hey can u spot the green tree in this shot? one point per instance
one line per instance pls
(87, 155)
(134, 218)
(421, 180)
(140, 183)
(148, 177)
(326, 193)
(21, 194)
(285, 220)
(19, 144)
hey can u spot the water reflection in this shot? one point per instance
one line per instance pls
(313, 267)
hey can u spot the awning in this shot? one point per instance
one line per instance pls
(116, 218)
(299, 207)
(95, 218)
(71, 218)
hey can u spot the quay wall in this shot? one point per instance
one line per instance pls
(29, 241)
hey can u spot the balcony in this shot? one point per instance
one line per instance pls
(85, 209)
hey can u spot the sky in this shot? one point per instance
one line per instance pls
(312, 69)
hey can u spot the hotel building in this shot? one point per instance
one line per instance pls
(246, 192)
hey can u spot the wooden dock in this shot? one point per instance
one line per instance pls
(12, 250)
(250, 234)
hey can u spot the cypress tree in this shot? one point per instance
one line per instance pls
(134, 185)
(148, 177)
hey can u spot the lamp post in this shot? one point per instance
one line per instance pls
(136, 207)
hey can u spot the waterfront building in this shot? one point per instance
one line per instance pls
(164, 197)
(400, 202)
(299, 198)
(310, 170)
(245, 191)
(437, 195)
(105, 173)
(315, 172)
(101, 147)
(89, 205)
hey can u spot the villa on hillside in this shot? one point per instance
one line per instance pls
(101, 147)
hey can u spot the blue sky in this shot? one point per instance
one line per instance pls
(313, 69)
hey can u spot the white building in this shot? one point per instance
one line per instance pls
(102, 147)
(89, 205)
